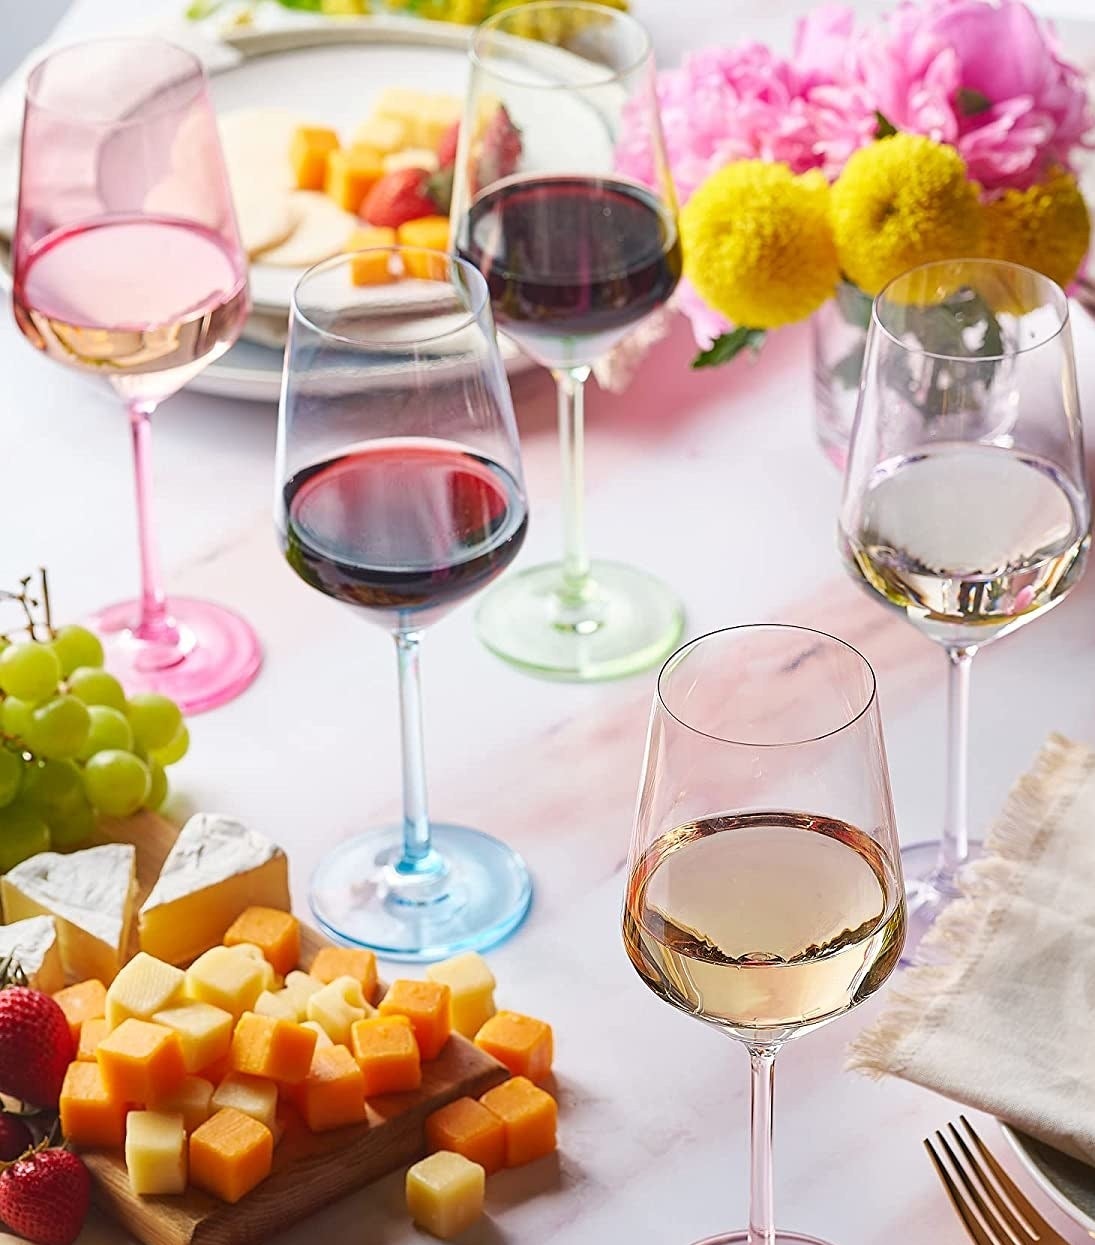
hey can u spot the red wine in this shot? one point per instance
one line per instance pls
(406, 528)
(572, 262)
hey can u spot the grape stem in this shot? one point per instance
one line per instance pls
(29, 604)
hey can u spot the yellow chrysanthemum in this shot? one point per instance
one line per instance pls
(903, 201)
(1046, 228)
(757, 243)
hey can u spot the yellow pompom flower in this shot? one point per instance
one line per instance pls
(757, 243)
(900, 202)
(1046, 228)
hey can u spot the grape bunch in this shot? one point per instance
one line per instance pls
(72, 744)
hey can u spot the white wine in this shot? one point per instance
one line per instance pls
(970, 541)
(765, 923)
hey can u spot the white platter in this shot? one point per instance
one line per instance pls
(1067, 1182)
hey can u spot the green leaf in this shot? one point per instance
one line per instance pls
(850, 369)
(884, 128)
(971, 103)
(729, 345)
(854, 305)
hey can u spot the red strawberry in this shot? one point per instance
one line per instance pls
(15, 1138)
(446, 148)
(500, 150)
(45, 1196)
(398, 197)
(36, 1046)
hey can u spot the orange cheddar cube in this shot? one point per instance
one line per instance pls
(84, 1001)
(90, 1116)
(523, 1044)
(308, 154)
(428, 1006)
(387, 1054)
(230, 1154)
(466, 1127)
(333, 1093)
(351, 175)
(277, 1049)
(529, 1117)
(334, 962)
(426, 265)
(276, 934)
(367, 267)
(92, 1033)
(141, 1062)
(429, 232)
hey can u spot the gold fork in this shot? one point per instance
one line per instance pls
(987, 1200)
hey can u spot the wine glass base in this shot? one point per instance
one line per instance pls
(205, 656)
(780, 1238)
(477, 892)
(927, 893)
(625, 621)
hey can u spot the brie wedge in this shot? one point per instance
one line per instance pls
(90, 895)
(33, 945)
(217, 868)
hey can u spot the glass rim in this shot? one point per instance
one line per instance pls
(495, 23)
(481, 299)
(1059, 301)
(679, 655)
(196, 75)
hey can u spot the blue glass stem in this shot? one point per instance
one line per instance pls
(416, 819)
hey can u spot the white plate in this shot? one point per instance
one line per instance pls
(1067, 1182)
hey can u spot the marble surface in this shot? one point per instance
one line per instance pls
(715, 483)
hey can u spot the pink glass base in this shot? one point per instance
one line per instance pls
(202, 656)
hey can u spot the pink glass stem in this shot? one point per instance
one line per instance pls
(154, 624)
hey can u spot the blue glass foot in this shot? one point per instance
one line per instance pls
(466, 896)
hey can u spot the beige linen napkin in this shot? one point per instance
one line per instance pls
(1007, 1024)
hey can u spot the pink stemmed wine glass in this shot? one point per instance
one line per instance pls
(128, 265)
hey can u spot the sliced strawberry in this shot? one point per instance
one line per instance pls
(398, 197)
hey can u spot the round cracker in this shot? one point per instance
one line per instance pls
(265, 218)
(322, 230)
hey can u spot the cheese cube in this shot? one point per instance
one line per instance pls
(155, 1152)
(142, 988)
(322, 1040)
(432, 234)
(91, 1034)
(334, 962)
(332, 1095)
(90, 1116)
(445, 1193)
(298, 989)
(279, 1049)
(529, 1117)
(270, 979)
(229, 978)
(424, 158)
(193, 1100)
(230, 1154)
(351, 175)
(387, 1054)
(472, 987)
(523, 1044)
(82, 1002)
(427, 1005)
(381, 134)
(369, 266)
(466, 1127)
(276, 1004)
(337, 1006)
(275, 933)
(252, 1095)
(140, 1062)
(205, 1032)
(308, 155)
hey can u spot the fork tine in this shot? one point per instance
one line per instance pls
(977, 1231)
(982, 1199)
(1004, 1210)
(1035, 1223)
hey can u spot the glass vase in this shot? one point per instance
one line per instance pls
(839, 343)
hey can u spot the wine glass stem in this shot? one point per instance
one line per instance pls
(416, 819)
(954, 846)
(570, 391)
(762, 1230)
(154, 623)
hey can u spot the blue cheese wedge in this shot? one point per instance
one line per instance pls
(90, 895)
(33, 946)
(217, 869)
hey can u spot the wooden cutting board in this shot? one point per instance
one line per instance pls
(310, 1169)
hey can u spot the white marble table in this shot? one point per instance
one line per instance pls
(712, 481)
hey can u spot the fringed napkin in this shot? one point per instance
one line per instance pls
(1007, 1023)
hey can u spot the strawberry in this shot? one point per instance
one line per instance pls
(500, 149)
(15, 1138)
(36, 1046)
(398, 197)
(446, 148)
(45, 1196)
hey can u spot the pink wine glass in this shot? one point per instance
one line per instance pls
(128, 265)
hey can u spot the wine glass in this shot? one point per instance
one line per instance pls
(128, 266)
(965, 503)
(764, 890)
(400, 493)
(575, 255)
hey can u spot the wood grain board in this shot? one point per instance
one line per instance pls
(310, 1169)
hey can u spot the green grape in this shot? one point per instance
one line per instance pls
(116, 782)
(109, 729)
(30, 671)
(96, 687)
(23, 833)
(53, 787)
(59, 728)
(11, 775)
(70, 827)
(176, 749)
(157, 789)
(16, 717)
(154, 719)
(76, 646)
